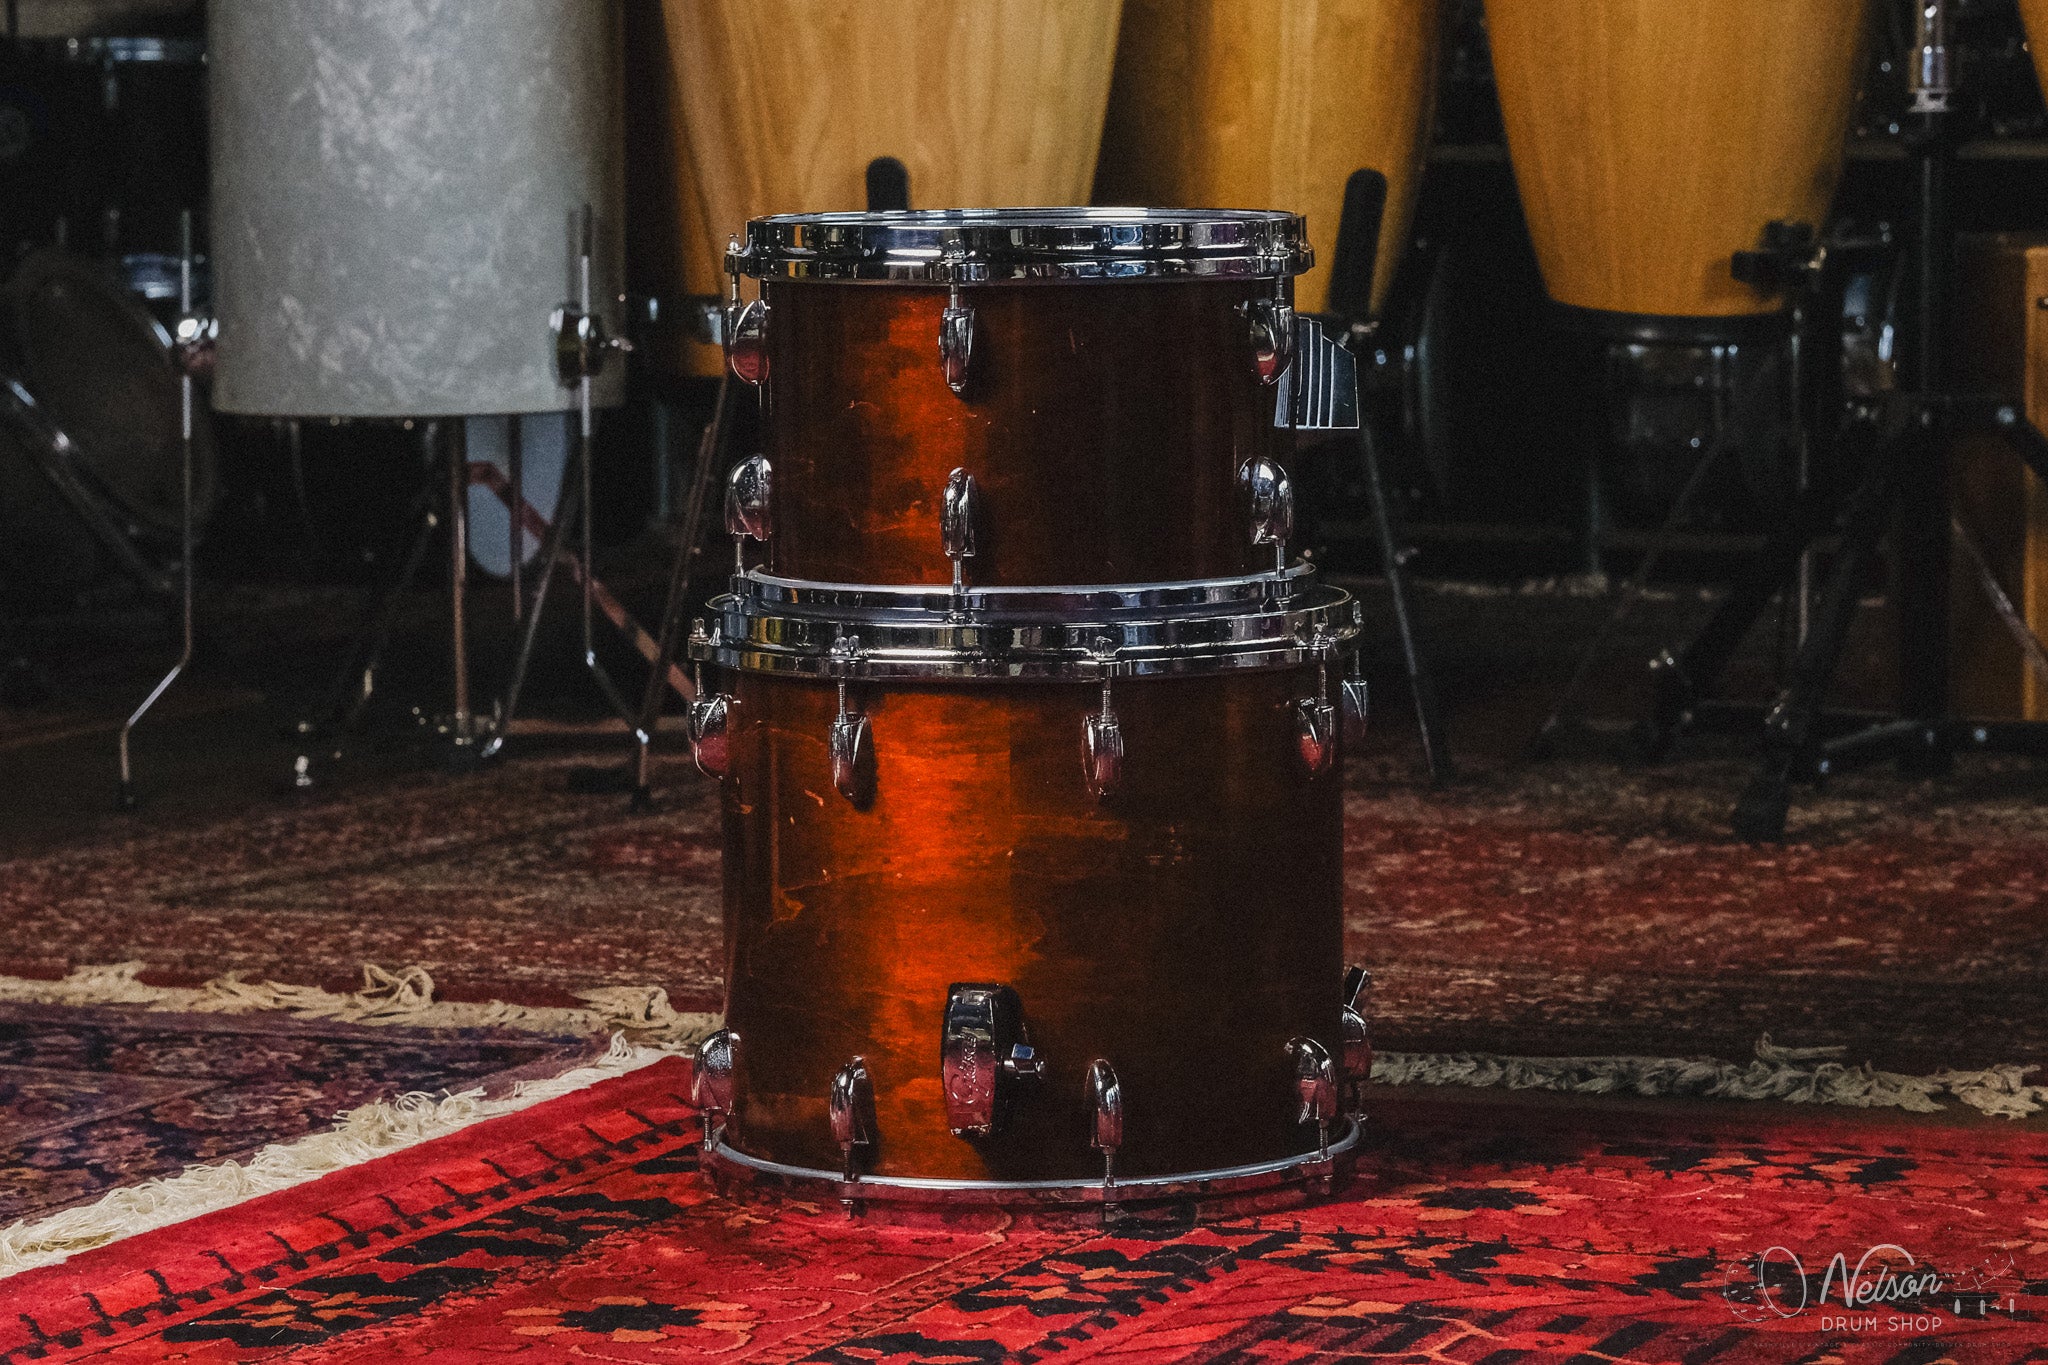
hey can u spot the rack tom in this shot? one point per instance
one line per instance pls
(1101, 376)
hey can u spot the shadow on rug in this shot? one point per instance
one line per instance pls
(1481, 1230)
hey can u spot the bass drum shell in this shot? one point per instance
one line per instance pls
(778, 106)
(1652, 141)
(1105, 422)
(1219, 103)
(1184, 929)
(396, 187)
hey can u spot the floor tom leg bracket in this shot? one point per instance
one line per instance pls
(985, 1058)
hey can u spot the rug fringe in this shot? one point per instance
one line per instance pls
(405, 996)
(359, 1135)
(1811, 1075)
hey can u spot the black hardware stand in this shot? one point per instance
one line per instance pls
(1351, 282)
(1903, 490)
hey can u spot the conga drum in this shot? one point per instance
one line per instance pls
(1029, 730)
(1220, 102)
(778, 106)
(1652, 141)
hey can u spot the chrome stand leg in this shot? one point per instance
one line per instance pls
(1436, 754)
(515, 474)
(710, 452)
(567, 508)
(460, 735)
(127, 798)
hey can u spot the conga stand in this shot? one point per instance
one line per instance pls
(1905, 490)
(193, 354)
(1351, 316)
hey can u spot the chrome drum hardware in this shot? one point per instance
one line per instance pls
(1315, 1085)
(1357, 1055)
(749, 506)
(851, 1109)
(959, 526)
(956, 341)
(1272, 508)
(711, 1084)
(984, 1057)
(1105, 1118)
(1272, 330)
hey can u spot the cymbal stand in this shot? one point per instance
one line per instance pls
(192, 353)
(1351, 284)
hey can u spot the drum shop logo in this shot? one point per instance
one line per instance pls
(1879, 1289)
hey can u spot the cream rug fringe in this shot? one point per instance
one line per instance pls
(387, 997)
(359, 1135)
(1796, 1075)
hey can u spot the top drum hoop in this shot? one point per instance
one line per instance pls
(978, 246)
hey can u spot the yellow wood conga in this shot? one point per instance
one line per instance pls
(778, 106)
(1223, 104)
(1653, 139)
(2034, 14)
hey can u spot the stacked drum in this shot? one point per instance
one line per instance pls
(1029, 730)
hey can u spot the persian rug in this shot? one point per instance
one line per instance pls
(1576, 909)
(93, 1098)
(1485, 1229)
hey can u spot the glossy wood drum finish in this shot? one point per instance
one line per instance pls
(1217, 103)
(1184, 929)
(2034, 15)
(1651, 140)
(1104, 421)
(781, 104)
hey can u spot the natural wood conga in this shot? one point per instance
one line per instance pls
(1652, 140)
(2034, 15)
(779, 106)
(1217, 102)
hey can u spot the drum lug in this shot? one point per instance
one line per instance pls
(1316, 722)
(984, 1055)
(1272, 333)
(749, 506)
(1357, 1061)
(852, 742)
(1315, 1085)
(956, 341)
(711, 1085)
(1102, 736)
(710, 730)
(746, 341)
(852, 1110)
(1105, 1119)
(959, 526)
(1271, 494)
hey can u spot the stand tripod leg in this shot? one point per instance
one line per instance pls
(710, 450)
(127, 798)
(1789, 740)
(1679, 679)
(1436, 754)
(462, 750)
(567, 509)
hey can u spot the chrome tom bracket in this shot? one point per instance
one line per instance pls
(1357, 1057)
(1272, 332)
(851, 1108)
(985, 1055)
(852, 743)
(709, 718)
(1105, 1122)
(1319, 391)
(745, 329)
(1315, 718)
(1315, 1085)
(959, 530)
(1271, 496)
(581, 346)
(749, 506)
(1356, 698)
(956, 340)
(1102, 736)
(711, 1084)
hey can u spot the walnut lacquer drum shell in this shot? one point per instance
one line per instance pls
(1184, 929)
(1218, 102)
(1651, 141)
(779, 106)
(1104, 420)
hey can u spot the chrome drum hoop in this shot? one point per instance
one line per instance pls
(1059, 602)
(721, 1158)
(983, 246)
(936, 646)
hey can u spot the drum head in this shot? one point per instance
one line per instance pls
(45, 548)
(983, 245)
(100, 365)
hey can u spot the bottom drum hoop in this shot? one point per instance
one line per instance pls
(1080, 1195)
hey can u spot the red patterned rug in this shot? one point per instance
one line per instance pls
(1481, 1229)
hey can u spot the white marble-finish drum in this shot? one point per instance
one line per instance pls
(395, 190)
